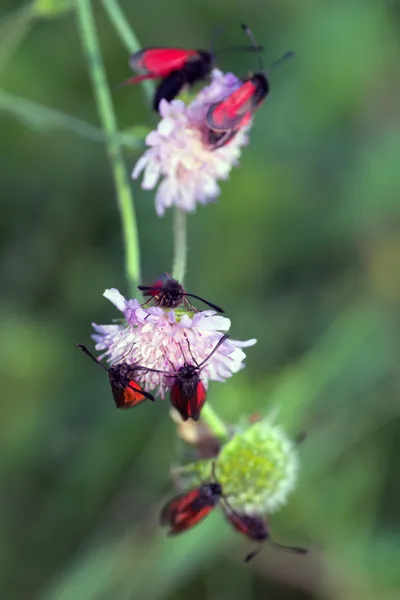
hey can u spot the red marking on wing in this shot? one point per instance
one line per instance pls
(138, 79)
(160, 62)
(197, 401)
(177, 505)
(155, 288)
(189, 407)
(179, 401)
(181, 513)
(129, 397)
(160, 283)
(238, 523)
(230, 112)
(190, 519)
(251, 526)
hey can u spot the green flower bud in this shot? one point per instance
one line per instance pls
(257, 469)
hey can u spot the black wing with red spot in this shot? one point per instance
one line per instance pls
(130, 396)
(252, 526)
(186, 510)
(160, 62)
(176, 67)
(157, 287)
(126, 391)
(188, 406)
(225, 118)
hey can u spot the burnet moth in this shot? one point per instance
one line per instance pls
(169, 293)
(188, 509)
(176, 67)
(225, 118)
(126, 391)
(188, 393)
(256, 529)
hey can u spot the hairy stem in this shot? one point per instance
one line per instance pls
(214, 422)
(108, 120)
(208, 414)
(180, 245)
(132, 44)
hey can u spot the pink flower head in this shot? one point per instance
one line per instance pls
(179, 153)
(165, 340)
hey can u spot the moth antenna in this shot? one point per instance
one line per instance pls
(210, 304)
(126, 354)
(294, 549)
(240, 49)
(283, 59)
(96, 360)
(184, 357)
(221, 341)
(256, 46)
(156, 371)
(190, 350)
(252, 554)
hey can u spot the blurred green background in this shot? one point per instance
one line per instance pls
(302, 250)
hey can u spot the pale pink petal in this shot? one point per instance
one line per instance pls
(151, 176)
(160, 339)
(165, 196)
(209, 323)
(140, 165)
(246, 344)
(114, 296)
(166, 126)
(179, 153)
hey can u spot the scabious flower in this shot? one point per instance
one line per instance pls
(179, 153)
(257, 469)
(164, 339)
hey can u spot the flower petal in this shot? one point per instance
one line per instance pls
(151, 176)
(166, 340)
(179, 153)
(140, 165)
(114, 296)
(245, 344)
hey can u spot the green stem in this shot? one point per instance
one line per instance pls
(109, 123)
(214, 422)
(128, 37)
(208, 415)
(180, 245)
(180, 219)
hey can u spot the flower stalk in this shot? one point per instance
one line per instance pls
(180, 245)
(208, 415)
(108, 120)
(215, 423)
